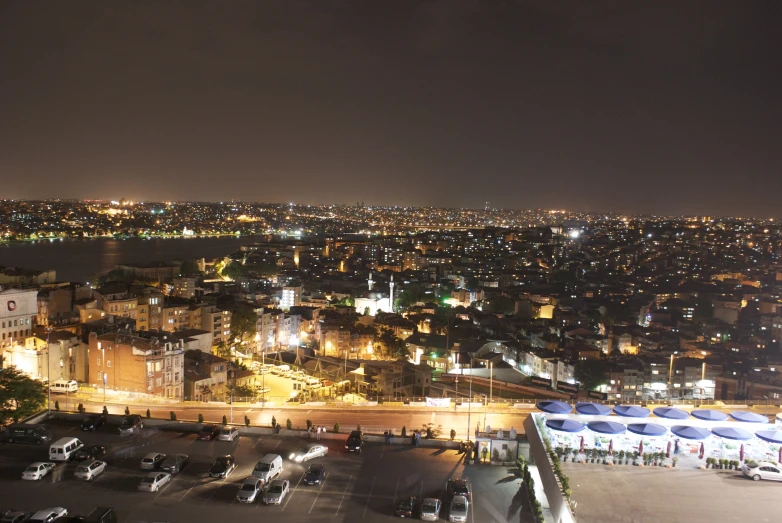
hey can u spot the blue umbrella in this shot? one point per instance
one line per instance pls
(772, 436)
(671, 413)
(647, 429)
(688, 432)
(554, 407)
(631, 411)
(606, 427)
(709, 415)
(749, 417)
(732, 433)
(592, 409)
(565, 425)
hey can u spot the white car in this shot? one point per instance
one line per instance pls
(153, 482)
(90, 471)
(37, 470)
(48, 514)
(457, 512)
(763, 470)
(228, 434)
(315, 451)
(249, 490)
(430, 509)
(277, 491)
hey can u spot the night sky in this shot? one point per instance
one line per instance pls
(642, 107)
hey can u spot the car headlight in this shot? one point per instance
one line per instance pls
(292, 456)
(346, 446)
(299, 458)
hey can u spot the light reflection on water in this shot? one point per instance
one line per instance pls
(79, 260)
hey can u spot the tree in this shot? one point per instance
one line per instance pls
(591, 373)
(502, 305)
(244, 391)
(243, 321)
(222, 350)
(20, 396)
(188, 268)
(234, 270)
(395, 348)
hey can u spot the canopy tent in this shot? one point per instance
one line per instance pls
(631, 411)
(748, 417)
(592, 409)
(647, 429)
(671, 413)
(688, 432)
(554, 407)
(709, 415)
(565, 425)
(606, 427)
(731, 433)
(772, 436)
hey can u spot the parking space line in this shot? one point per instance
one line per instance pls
(343, 495)
(396, 490)
(366, 505)
(187, 492)
(293, 491)
(422, 489)
(319, 490)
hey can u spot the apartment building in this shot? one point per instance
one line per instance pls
(132, 364)
(18, 309)
(217, 321)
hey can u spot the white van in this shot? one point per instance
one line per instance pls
(268, 468)
(64, 449)
(64, 386)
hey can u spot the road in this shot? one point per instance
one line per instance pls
(363, 487)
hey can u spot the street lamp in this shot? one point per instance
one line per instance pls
(491, 380)
(48, 375)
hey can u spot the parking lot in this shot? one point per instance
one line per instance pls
(363, 487)
(686, 495)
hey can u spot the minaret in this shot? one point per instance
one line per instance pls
(370, 282)
(391, 294)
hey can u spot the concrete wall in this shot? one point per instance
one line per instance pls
(560, 509)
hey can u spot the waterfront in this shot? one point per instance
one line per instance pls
(80, 260)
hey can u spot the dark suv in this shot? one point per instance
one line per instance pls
(458, 487)
(355, 442)
(22, 433)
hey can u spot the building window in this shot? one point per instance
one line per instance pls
(108, 363)
(98, 361)
(158, 381)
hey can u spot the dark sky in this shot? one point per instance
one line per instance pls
(660, 107)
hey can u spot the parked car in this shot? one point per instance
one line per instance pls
(131, 424)
(90, 471)
(175, 463)
(458, 487)
(315, 475)
(208, 432)
(763, 470)
(457, 512)
(249, 490)
(430, 509)
(222, 467)
(90, 452)
(406, 507)
(355, 442)
(277, 491)
(22, 433)
(15, 517)
(48, 515)
(37, 470)
(308, 453)
(152, 482)
(93, 422)
(152, 461)
(229, 433)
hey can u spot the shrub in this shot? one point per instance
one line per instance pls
(288, 424)
(246, 421)
(358, 428)
(149, 414)
(127, 411)
(200, 418)
(225, 420)
(404, 431)
(56, 405)
(105, 410)
(674, 460)
(495, 455)
(336, 428)
(80, 408)
(309, 424)
(274, 422)
(173, 415)
(453, 433)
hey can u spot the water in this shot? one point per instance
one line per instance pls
(81, 260)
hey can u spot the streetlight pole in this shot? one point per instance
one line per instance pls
(491, 381)
(469, 407)
(48, 376)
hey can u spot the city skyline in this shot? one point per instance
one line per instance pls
(607, 106)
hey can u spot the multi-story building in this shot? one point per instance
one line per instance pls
(18, 309)
(148, 315)
(206, 376)
(217, 321)
(291, 297)
(53, 304)
(185, 287)
(116, 300)
(129, 363)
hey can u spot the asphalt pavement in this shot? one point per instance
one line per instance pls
(358, 487)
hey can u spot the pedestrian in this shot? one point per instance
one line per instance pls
(309, 433)
(412, 439)
(317, 434)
